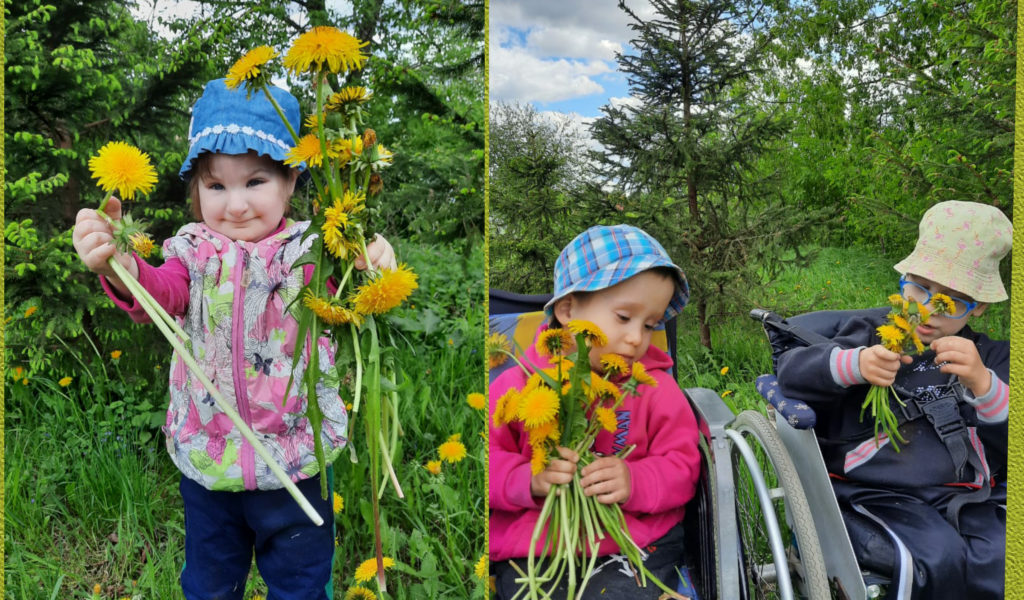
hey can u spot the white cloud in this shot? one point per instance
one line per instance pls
(618, 102)
(517, 75)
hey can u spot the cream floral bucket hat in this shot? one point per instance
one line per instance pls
(959, 246)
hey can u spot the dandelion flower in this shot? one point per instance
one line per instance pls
(345, 149)
(386, 292)
(123, 167)
(613, 364)
(606, 417)
(506, 407)
(901, 322)
(593, 333)
(64, 382)
(368, 568)
(353, 94)
(329, 45)
(726, 393)
(602, 389)
(724, 371)
(538, 460)
(142, 244)
(306, 150)
(116, 354)
(497, 347)
(917, 342)
(30, 311)
(358, 592)
(542, 433)
(477, 400)
(248, 67)
(433, 467)
(538, 407)
(481, 567)
(452, 451)
(943, 304)
(641, 375)
(329, 311)
(892, 337)
(339, 503)
(553, 342)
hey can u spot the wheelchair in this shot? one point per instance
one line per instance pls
(750, 529)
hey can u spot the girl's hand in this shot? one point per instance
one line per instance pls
(382, 255)
(959, 356)
(559, 470)
(879, 366)
(607, 478)
(93, 239)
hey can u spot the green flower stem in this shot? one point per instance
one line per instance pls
(358, 388)
(153, 310)
(391, 469)
(295, 136)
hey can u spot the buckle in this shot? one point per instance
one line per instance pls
(944, 415)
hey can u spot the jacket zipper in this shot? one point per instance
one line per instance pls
(247, 458)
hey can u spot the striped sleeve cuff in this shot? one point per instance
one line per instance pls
(993, 407)
(845, 366)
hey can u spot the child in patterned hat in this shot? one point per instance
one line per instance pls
(229, 279)
(622, 280)
(932, 515)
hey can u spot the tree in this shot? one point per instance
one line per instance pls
(694, 142)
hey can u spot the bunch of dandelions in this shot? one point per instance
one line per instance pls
(899, 334)
(564, 403)
(124, 168)
(345, 161)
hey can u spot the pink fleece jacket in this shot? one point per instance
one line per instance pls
(663, 468)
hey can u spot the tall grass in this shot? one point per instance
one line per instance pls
(92, 508)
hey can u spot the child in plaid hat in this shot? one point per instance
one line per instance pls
(622, 280)
(229, 280)
(933, 515)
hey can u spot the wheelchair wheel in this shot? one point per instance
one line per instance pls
(780, 553)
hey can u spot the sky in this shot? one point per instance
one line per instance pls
(559, 55)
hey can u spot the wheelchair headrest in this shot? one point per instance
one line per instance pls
(808, 328)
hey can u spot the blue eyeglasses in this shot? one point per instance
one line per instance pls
(919, 293)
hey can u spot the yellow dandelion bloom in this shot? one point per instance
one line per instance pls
(368, 568)
(602, 389)
(345, 149)
(542, 433)
(307, 150)
(506, 407)
(613, 364)
(593, 333)
(142, 244)
(553, 342)
(257, 597)
(358, 592)
(724, 371)
(481, 569)
(943, 304)
(538, 407)
(497, 347)
(452, 451)
(335, 242)
(329, 311)
(389, 290)
(116, 354)
(248, 67)
(892, 337)
(321, 45)
(353, 94)
(606, 417)
(642, 376)
(64, 382)
(901, 322)
(917, 342)
(726, 393)
(433, 467)
(96, 589)
(313, 121)
(30, 311)
(339, 503)
(123, 167)
(538, 460)
(477, 400)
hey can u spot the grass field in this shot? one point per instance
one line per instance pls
(93, 512)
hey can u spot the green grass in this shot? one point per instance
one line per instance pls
(89, 502)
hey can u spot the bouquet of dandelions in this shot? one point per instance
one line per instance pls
(567, 404)
(899, 334)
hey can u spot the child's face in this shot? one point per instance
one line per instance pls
(940, 325)
(244, 196)
(626, 312)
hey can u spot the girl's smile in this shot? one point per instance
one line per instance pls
(244, 196)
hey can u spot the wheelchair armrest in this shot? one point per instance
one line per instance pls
(710, 408)
(798, 414)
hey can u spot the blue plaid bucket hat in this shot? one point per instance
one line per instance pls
(603, 256)
(226, 121)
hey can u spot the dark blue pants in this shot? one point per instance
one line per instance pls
(223, 530)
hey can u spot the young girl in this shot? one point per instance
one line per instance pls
(229, 281)
(620, 279)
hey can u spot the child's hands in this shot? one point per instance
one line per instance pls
(960, 357)
(382, 255)
(608, 479)
(558, 471)
(879, 366)
(93, 240)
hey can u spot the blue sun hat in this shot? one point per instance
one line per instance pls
(603, 256)
(226, 121)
